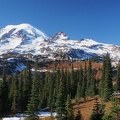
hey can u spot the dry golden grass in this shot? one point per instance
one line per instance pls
(76, 65)
(87, 107)
(47, 118)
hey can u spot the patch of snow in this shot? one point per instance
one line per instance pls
(20, 67)
(13, 118)
(11, 59)
(46, 114)
(22, 116)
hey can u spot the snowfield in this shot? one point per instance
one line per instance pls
(22, 117)
(14, 118)
(25, 39)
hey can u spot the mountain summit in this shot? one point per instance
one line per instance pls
(24, 39)
(61, 36)
(13, 37)
(22, 29)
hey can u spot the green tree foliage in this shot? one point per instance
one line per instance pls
(51, 96)
(106, 85)
(92, 88)
(84, 83)
(32, 91)
(4, 95)
(69, 109)
(77, 97)
(60, 102)
(73, 83)
(91, 84)
(14, 106)
(102, 81)
(118, 79)
(89, 76)
(20, 93)
(27, 85)
(32, 107)
(98, 111)
(68, 82)
(114, 110)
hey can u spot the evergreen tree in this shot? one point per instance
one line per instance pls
(83, 87)
(107, 87)
(84, 83)
(115, 109)
(91, 84)
(44, 91)
(68, 82)
(80, 75)
(14, 106)
(20, 93)
(51, 98)
(57, 81)
(32, 106)
(28, 78)
(92, 88)
(63, 78)
(73, 83)
(60, 102)
(81, 83)
(118, 79)
(27, 85)
(11, 91)
(97, 111)
(4, 94)
(69, 109)
(77, 97)
(102, 81)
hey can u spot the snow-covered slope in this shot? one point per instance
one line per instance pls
(24, 39)
(20, 38)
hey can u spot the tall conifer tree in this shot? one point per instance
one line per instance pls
(106, 85)
(4, 94)
(27, 85)
(33, 104)
(14, 106)
(60, 102)
(20, 93)
(89, 76)
(69, 109)
(118, 79)
(73, 83)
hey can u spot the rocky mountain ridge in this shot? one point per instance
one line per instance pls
(26, 39)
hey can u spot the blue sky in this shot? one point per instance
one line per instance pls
(95, 19)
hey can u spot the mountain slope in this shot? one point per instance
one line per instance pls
(15, 37)
(25, 39)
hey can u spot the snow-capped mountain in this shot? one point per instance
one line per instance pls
(24, 39)
(20, 38)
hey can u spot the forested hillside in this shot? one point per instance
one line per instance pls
(60, 89)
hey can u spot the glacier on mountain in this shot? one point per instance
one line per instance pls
(26, 39)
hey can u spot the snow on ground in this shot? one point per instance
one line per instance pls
(46, 114)
(13, 118)
(22, 117)
(20, 67)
